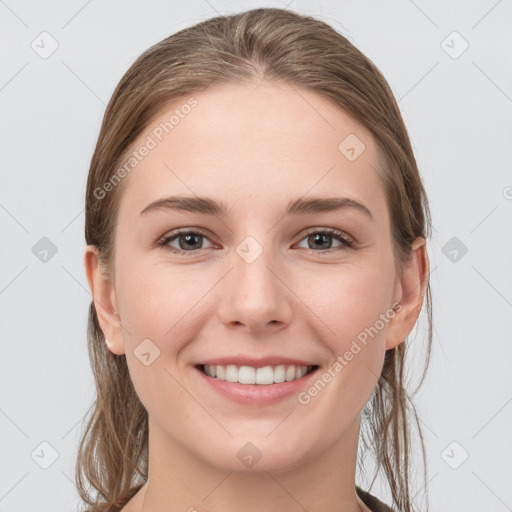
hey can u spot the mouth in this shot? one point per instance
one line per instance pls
(263, 376)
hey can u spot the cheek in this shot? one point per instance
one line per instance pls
(156, 312)
(352, 298)
(353, 306)
(154, 300)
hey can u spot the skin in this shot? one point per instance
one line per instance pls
(255, 147)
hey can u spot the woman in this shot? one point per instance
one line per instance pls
(256, 228)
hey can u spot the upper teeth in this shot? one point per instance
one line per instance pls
(250, 375)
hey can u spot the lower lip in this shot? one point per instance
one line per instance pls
(257, 394)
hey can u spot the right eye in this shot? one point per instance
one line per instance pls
(188, 240)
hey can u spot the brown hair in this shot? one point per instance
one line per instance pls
(273, 45)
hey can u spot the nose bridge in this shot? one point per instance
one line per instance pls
(254, 256)
(253, 294)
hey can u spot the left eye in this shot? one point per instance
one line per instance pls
(319, 237)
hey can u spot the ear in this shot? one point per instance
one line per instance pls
(104, 297)
(410, 291)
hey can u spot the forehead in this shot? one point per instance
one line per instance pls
(260, 143)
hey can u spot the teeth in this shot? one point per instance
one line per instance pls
(249, 375)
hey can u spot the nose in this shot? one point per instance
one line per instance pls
(256, 295)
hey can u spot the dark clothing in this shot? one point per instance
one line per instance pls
(372, 502)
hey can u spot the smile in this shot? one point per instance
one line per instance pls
(265, 375)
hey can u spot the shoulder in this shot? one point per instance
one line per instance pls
(372, 502)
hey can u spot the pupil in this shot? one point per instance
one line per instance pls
(188, 238)
(318, 236)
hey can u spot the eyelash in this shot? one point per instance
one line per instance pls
(339, 235)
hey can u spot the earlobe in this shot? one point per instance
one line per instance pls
(104, 297)
(411, 291)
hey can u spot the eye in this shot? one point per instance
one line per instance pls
(188, 241)
(324, 237)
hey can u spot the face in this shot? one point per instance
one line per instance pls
(255, 285)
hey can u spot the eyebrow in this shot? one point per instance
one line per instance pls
(300, 206)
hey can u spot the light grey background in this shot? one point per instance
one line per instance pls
(458, 112)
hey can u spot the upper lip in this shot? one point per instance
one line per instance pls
(256, 362)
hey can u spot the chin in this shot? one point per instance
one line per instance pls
(253, 454)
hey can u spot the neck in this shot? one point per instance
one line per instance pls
(179, 480)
